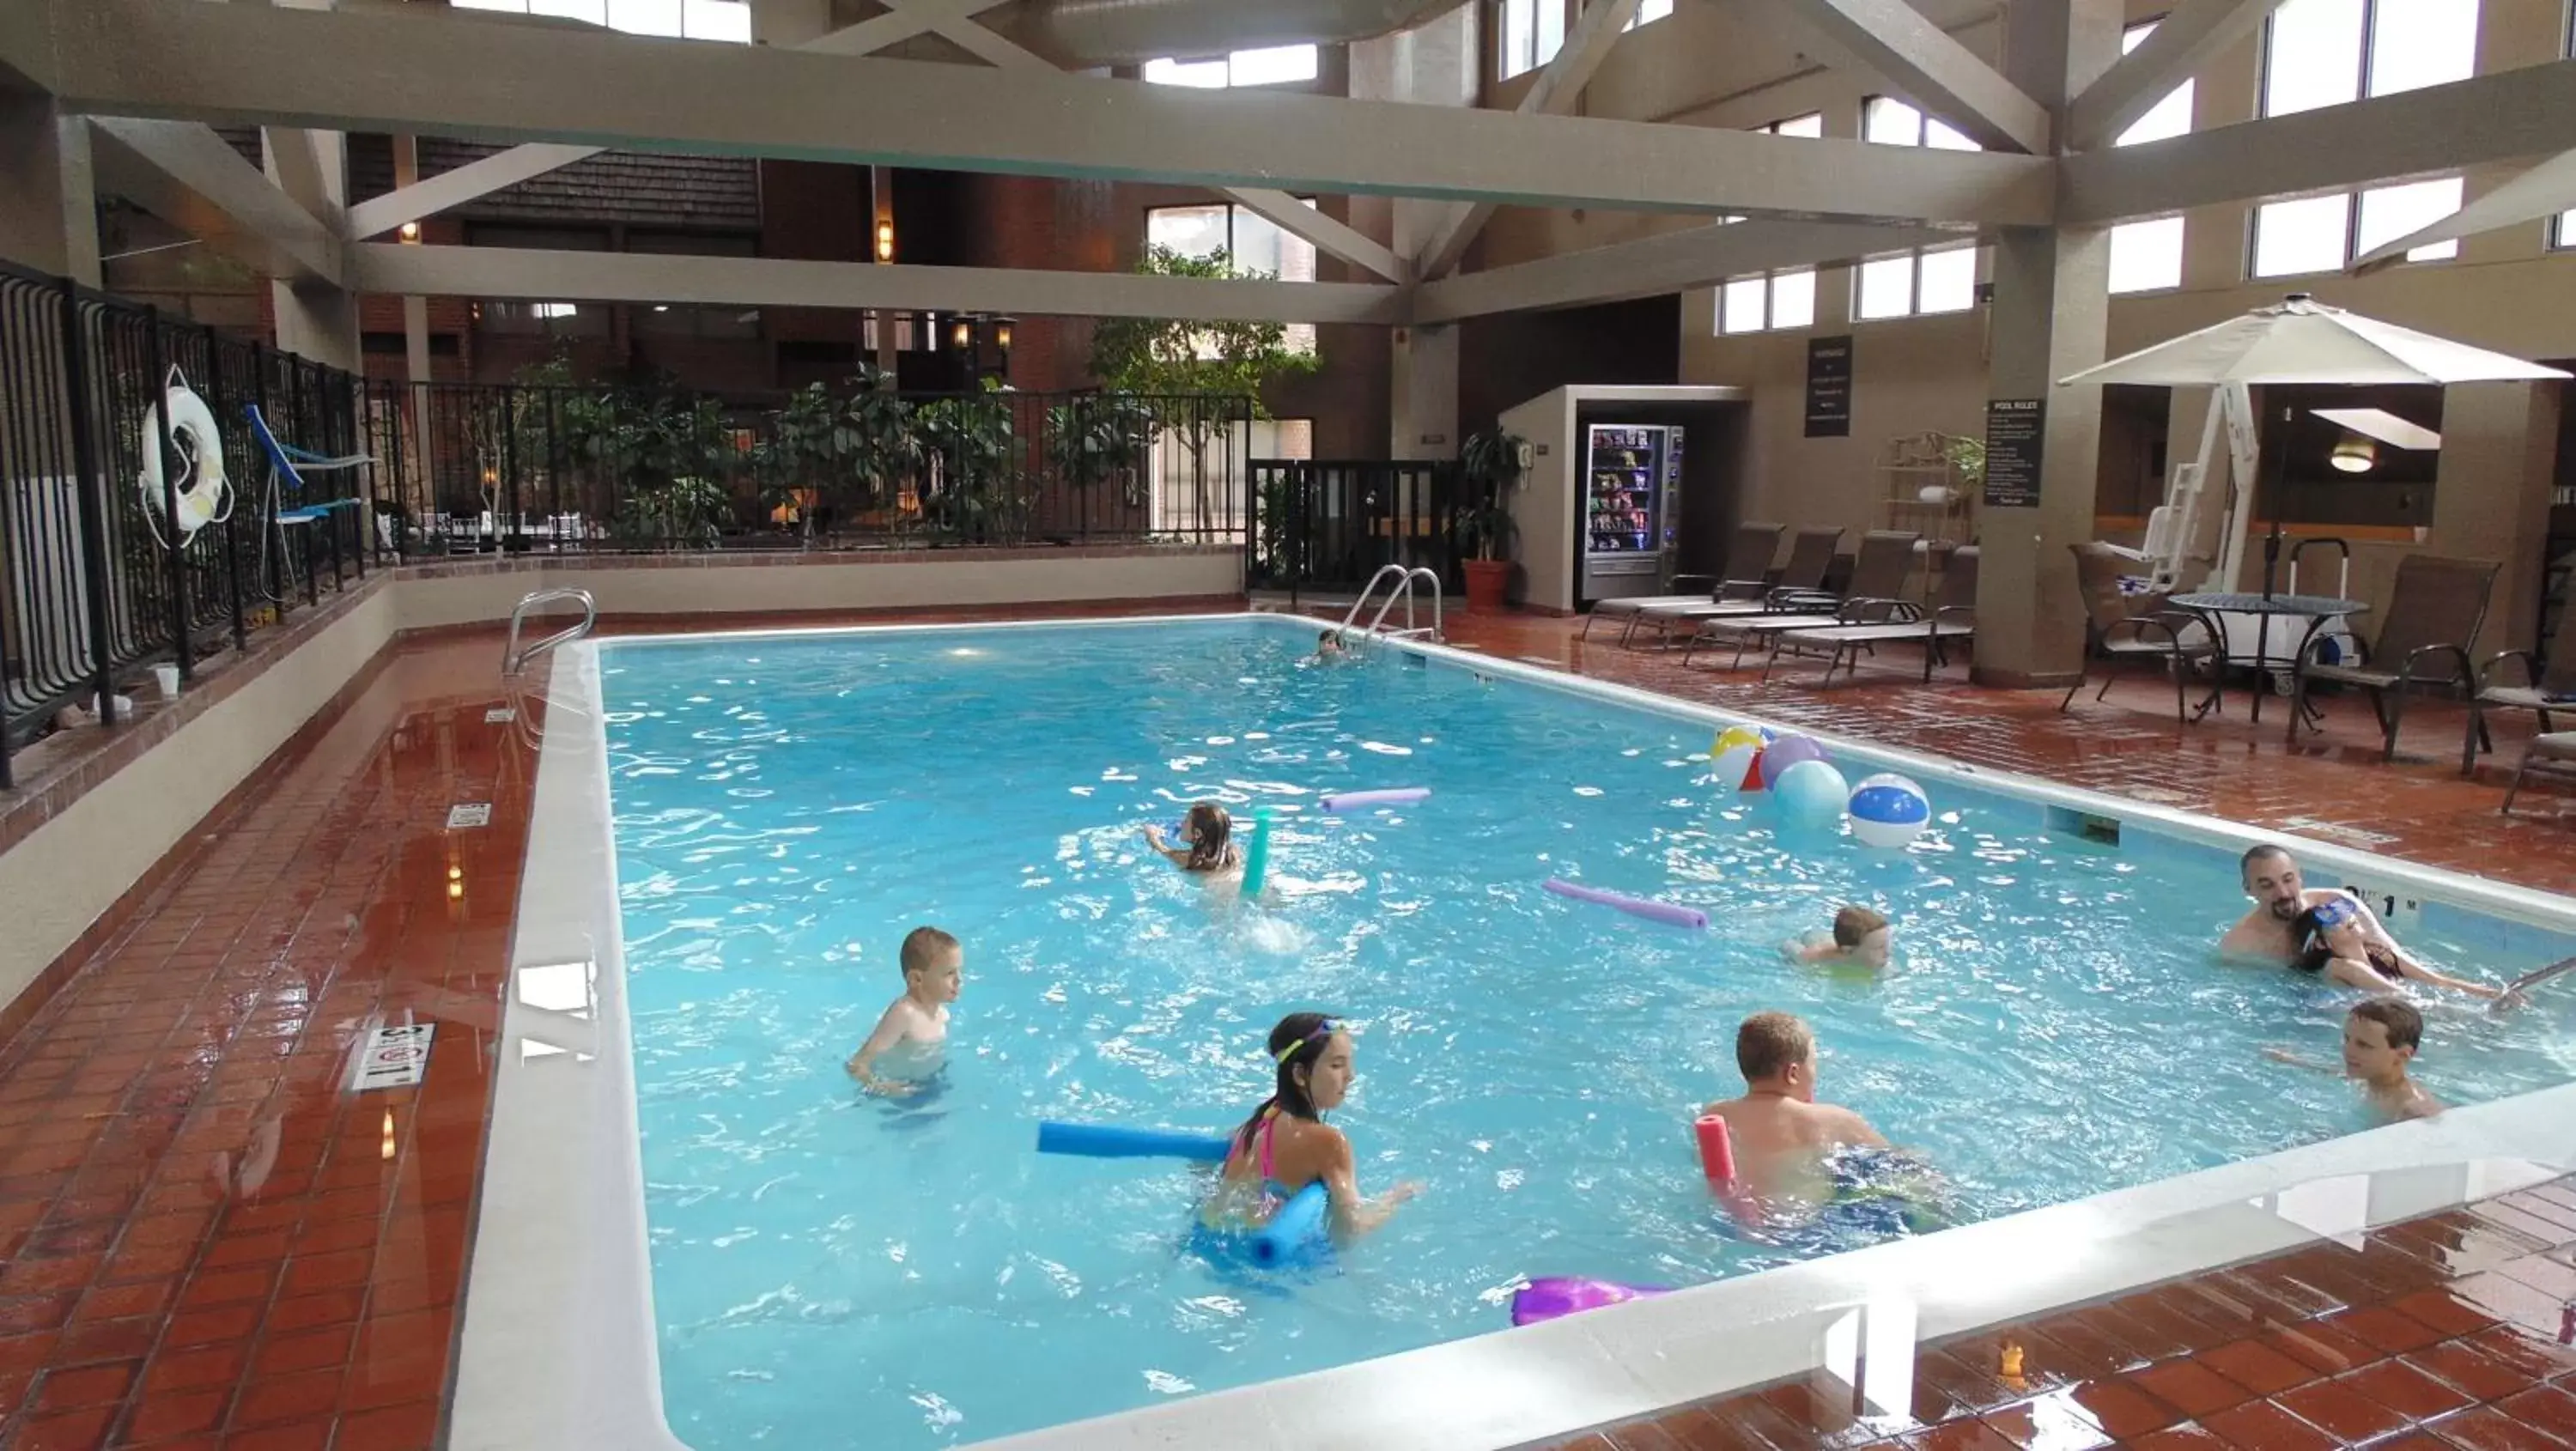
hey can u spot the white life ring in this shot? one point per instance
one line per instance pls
(202, 489)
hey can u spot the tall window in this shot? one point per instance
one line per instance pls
(1927, 279)
(2327, 53)
(1252, 242)
(2147, 255)
(728, 20)
(1533, 31)
(1783, 298)
(1649, 11)
(1273, 66)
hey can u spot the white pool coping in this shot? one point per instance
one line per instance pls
(558, 1343)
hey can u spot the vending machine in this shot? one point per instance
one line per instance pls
(1631, 506)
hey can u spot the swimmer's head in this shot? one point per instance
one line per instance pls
(933, 964)
(1328, 643)
(1312, 1056)
(2380, 1037)
(1864, 934)
(1207, 828)
(2272, 879)
(1778, 1051)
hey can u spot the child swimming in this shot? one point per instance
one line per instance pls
(1860, 939)
(1328, 647)
(2380, 1037)
(1286, 1145)
(915, 1024)
(1209, 845)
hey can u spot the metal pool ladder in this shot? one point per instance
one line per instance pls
(1400, 589)
(514, 658)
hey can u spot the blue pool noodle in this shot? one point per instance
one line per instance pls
(1256, 857)
(1294, 1234)
(1109, 1141)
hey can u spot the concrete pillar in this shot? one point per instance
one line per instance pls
(1424, 388)
(48, 205)
(1438, 64)
(2491, 498)
(2051, 318)
(314, 320)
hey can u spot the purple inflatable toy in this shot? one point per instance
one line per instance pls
(1785, 752)
(1557, 1295)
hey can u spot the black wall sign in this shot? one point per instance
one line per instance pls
(2013, 429)
(1829, 384)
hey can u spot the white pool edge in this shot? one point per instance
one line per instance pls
(558, 1342)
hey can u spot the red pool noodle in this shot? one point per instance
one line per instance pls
(1716, 1150)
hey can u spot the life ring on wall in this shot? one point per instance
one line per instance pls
(203, 495)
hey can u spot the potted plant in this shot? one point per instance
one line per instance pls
(1488, 465)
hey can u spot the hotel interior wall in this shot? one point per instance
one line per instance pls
(2505, 291)
(67, 873)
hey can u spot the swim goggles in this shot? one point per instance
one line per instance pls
(2335, 912)
(1323, 1031)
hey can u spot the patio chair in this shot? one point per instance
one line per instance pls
(1952, 615)
(2552, 753)
(2121, 627)
(2433, 613)
(1746, 573)
(1874, 597)
(1800, 585)
(2552, 687)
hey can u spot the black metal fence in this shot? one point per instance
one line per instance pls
(1326, 526)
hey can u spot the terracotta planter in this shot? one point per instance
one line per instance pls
(1486, 581)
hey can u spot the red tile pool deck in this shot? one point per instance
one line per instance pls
(206, 1242)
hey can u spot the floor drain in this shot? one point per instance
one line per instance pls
(469, 813)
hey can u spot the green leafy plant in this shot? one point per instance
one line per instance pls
(1107, 438)
(1489, 464)
(1968, 457)
(973, 453)
(1168, 358)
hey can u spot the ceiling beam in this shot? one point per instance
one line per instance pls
(1596, 30)
(421, 73)
(459, 185)
(908, 19)
(26, 48)
(2544, 191)
(1332, 238)
(2180, 47)
(1670, 262)
(2435, 131)
(192, 178)
(1893, 40)
(543, 276)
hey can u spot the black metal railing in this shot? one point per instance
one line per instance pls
(1326, 526)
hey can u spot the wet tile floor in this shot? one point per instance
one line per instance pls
(207, 1241)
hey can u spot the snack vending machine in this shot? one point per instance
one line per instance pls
(1631, 509)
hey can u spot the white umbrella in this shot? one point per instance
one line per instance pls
(2302, 340)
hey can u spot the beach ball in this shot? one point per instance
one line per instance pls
(1888, 810)
(1732, 737)
(1785, 752)
(1811, 793)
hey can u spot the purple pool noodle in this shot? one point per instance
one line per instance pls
(1785, 752)
(1546, 1299)
(1668, 912)
(1395, 796)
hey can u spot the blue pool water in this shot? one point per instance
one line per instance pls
(835, 1270)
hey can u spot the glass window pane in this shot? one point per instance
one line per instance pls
(1206, 75)
(1740, 305)
(1551, 31)
(645, 17)
(2146, 255)
(2421, 43)
(1275, 65)
(2300, 236)
(1650, 11)
(1949, 280)
(1941, 135)
(2393, 211)
(1262, 245)
(2565, 231)
(515, 7)
(1793, 299)
(1887, 287)
(2171, 117)
(716, 20)
(1811, 124)
(1190, 231)
(2314, 56)
(1520, 18)
(1890, 121)
(594, 11)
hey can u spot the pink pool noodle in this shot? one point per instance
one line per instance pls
(1716, 1150)
(1546, 1299)
(1671, 913)
(1393, 796)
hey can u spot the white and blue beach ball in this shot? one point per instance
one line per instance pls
(1889, 810)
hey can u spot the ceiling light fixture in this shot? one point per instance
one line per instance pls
(885, 239)
(411, 232)
(2354, 454)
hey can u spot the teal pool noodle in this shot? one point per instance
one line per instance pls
(1108, 1141)
(1256, 857)
(1297, 1233)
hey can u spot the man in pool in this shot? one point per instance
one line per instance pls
(909, 1036)
(2320, 929)
(1781, 1136)
(2380, 1037)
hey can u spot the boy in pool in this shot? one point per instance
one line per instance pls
(915, 1024)
(1781, 1135)
(2380, 1037)
(1860, 939)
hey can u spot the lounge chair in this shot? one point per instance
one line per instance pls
(2433, 613)
(2552, 753)
(2121, 627)
(1800, 586)
(1874, 597)
(1746, 574)
(2552, 687)
(1952, 615)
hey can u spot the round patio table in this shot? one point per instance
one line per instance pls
(2317, 608)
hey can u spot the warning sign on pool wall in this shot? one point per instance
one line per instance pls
(395, 1056)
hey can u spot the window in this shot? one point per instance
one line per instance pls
(1650, 11)
(1533, 30)
(1929, 279)
(1251, 242)
(1275, 66)
(2146, 256)
(1767, 302)
(2328, 53)
(726, 20)
(1891, 122)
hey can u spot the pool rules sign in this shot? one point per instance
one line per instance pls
(394, 1056)
(2013, 434)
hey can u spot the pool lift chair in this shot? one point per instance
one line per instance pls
(1399, 581)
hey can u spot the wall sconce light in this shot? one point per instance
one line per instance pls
(963, 335)
(1002, 333)
(411, 232)
(885, 239)
(2353, 454)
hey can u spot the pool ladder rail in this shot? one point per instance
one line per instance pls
(1400, 589)
(514, 658)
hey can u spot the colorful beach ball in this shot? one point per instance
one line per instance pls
(1811, 793)
(1733, 753)
(1888, 810)
(1785, 752)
